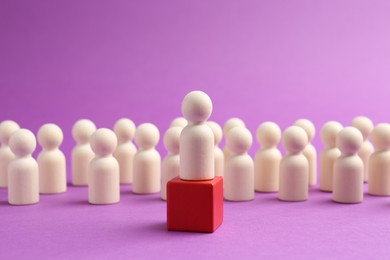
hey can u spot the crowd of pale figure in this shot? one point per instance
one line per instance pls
(102, 159)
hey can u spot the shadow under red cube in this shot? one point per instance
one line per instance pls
(195, 205)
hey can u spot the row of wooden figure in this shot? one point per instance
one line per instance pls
(97, 160)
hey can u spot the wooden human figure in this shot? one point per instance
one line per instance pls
(365, 126)
(147, 160)
(125, 130)
(229, 124)
(171, 162)
(329, 155)
(197, 138)
(179, 121)
(267, 158)
(294, 166)
(103, 170)
(218, 154)
(310, 151)
(379, 162)
(239, 169)
(348, 168)
(23, 173)
(82, 153)
(51, 160)
(7, 128)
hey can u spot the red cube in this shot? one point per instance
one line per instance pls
(194, 205)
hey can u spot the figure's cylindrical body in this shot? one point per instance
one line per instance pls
(147, 172)
(103, 181)
(219, 161)
(267, 165)
(23, 177)
(125, 156)
(311, 155)
(293, 182)
(348, 179)
(327, 159)
(52, 171)
(170, 170)
(81, 157)
(364, 153)
(239, 178)
(197, 152)
(6, 155)
(379, 174)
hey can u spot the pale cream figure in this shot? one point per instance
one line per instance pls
(218, 154)
(103, 170)
(229, 124)
(310, 151)
(348, 172)
(171, 162)
(7, 128)
(82, 153)
(379, 162)
(147, 160)
(329, 154)
(51, 160)
(294, 166)
(239, 168)
(197, 139)
(267, 158)
(179, 121)
(23, 173)
(125, 130)
(365, 126)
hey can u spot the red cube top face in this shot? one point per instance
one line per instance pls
(195, 205)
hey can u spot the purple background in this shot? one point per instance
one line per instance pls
(259, 60)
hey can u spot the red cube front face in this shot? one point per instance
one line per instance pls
(194, 205)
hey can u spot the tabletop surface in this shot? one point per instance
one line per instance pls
(65, 226)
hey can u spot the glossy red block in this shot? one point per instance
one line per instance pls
(194, 205)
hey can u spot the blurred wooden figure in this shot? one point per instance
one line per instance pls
(365, 126)
(379, 162)
(51, 160)
(229, 124)
(125, 130)
(329, 155)
(179, 121)
(171, 162)
(294, 166)
(267, 158)
(7, 128)
(348, 168)
(103, 171)
(218, 154)
(82, 153)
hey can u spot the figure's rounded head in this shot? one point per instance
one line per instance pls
(172, 139)
(7, 128)
(217, 131)
(147, 136)
(239, 140)
(364, 125)
(22, 142)
(50, 136)
(232, 122)
(179, 121)
(349, 140)
(197, 106)
(329, 132)
(268, 134)
(308, 126)
(294, 139)
(82, 131)
(103, 142)
(380, 137)
(124, 129)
